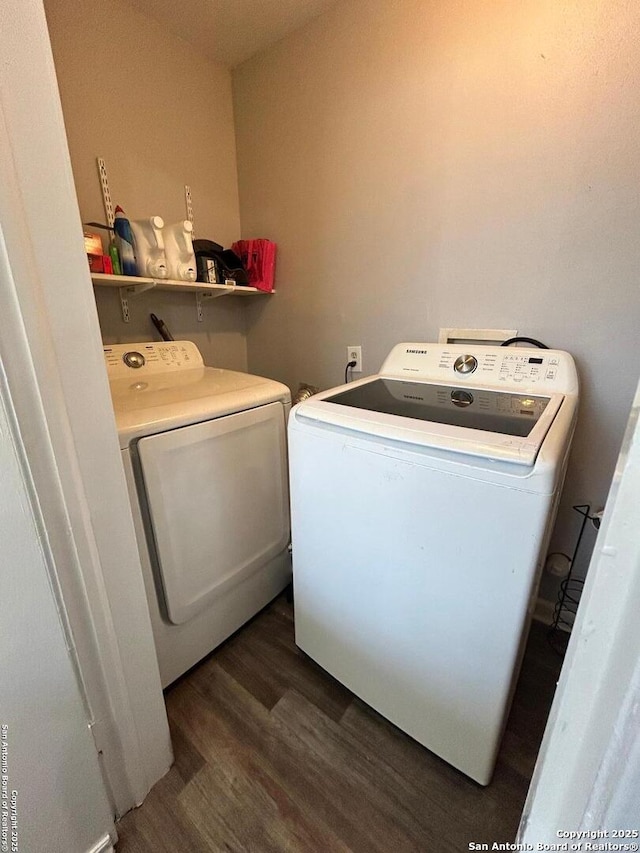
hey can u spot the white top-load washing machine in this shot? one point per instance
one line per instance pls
(204, 452)
(422, 499)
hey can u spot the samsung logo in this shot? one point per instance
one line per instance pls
(418, 351)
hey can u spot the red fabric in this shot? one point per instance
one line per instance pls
(259, 259)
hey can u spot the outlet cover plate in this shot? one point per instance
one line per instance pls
(354, 353)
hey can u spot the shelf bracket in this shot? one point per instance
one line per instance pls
(124, 304)
(135, 289)
(106, 193)
(189, 205)
(131, 290)
(202, 295)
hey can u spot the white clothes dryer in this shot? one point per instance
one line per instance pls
(204, 453)
(422, 500)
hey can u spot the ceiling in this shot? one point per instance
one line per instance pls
(230, 31)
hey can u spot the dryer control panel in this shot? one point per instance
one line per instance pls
(507, 367)
(127, 360)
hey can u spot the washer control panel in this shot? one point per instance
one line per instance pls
(505, 366)
(493, 366)
(123, 360)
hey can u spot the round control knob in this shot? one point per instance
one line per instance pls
(461, 398)
(465, 364)
(133, 359)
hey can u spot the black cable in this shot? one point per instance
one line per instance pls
(519, 340)
(350, 364)
(165, 334)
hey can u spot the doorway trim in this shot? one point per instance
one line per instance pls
(51, 355)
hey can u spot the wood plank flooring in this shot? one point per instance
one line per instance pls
(272, 754)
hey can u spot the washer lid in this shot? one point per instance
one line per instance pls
(487, 423)
(155, 402)
(503, 412)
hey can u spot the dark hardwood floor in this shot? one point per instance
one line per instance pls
(272, 754)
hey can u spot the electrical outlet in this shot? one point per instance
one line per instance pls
(355, 354)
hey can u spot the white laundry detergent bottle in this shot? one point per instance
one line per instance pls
(181, 260)
(149, 240)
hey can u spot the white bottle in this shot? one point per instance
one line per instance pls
(149, 243)
(181, 260)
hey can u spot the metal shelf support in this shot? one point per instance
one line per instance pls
(204, 295)
(132, 290)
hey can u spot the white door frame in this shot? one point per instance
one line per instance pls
(587, 777)
(51, 354)
(50, 735)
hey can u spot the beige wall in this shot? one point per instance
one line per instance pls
(426, 164)
(161, 115)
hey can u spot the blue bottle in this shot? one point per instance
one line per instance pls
(124, 241)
